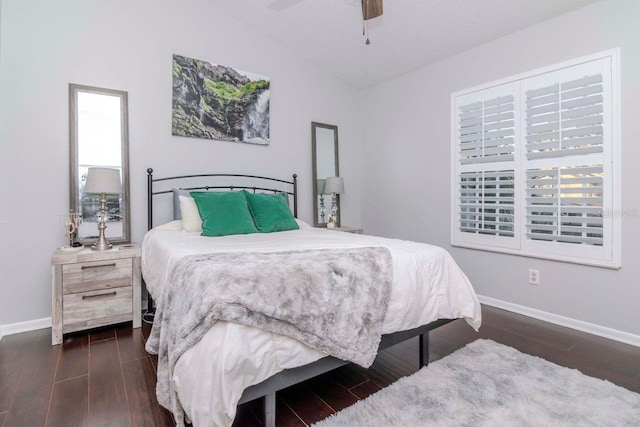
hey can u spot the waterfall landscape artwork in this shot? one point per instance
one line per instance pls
(216, 102)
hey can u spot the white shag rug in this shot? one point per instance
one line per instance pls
(490, 384)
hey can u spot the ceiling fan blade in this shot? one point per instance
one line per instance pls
(371, 9)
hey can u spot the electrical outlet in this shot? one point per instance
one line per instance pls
(534, 277)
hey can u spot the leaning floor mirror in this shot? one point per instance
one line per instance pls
(99, 139)
(324, 153)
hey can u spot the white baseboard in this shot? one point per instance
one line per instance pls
(29, 325)
(591, 328)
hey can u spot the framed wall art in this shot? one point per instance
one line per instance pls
(217, 102)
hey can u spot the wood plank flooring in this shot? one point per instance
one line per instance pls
(104, 377)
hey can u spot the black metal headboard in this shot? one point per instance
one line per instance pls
(151, 180)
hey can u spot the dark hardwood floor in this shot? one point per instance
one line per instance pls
(105, 377)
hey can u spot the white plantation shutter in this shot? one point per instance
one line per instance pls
(486, 203)
(535, 164)
(487, 131)
(565, 119)
(565, 205)
(486, 135)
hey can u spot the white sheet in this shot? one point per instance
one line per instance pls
(211, 376)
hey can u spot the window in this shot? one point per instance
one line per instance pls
(536, 164)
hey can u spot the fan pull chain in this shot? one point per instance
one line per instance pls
(365, 23)
(367, 42)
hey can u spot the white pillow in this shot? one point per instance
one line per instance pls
(191, 220)
(302, 224)
(171, 225)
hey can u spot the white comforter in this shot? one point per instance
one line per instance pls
(211, 376)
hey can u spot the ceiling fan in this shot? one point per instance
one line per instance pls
(370, 9)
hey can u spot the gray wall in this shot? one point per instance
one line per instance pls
(407, 134)
(128, 45)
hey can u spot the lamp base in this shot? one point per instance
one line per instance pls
(102, 244)
(334, 210)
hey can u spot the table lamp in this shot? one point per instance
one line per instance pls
(334, 185)
(102, 181)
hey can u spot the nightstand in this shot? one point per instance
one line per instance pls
(94, 288)
(347, 229)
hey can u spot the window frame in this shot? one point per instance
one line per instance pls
(610, 254)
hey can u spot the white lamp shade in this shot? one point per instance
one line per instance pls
(334, 184)
(103, 180)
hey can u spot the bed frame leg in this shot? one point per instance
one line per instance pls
(424, 349)
(150, 308)
(270, 410)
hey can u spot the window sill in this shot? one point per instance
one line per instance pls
(613, 265)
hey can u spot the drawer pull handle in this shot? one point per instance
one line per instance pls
(106, 294)
(113, 264)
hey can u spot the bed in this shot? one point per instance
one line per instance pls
(235, 363)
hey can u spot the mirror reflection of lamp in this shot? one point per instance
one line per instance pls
(102, 181)
(320, 184)
(334, 185)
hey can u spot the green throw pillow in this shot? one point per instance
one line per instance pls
(224, 213)
(271, 212)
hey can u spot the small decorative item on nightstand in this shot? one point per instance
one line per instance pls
(320, 190)
(94, 288)
(72, 222)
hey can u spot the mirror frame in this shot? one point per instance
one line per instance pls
(74, 202)
(314, 126)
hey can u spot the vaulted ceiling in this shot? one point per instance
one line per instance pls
(409, 35)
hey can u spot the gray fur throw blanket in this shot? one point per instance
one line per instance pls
(334, 301)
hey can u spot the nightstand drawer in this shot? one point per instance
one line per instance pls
(95, 275)
(96, 308)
